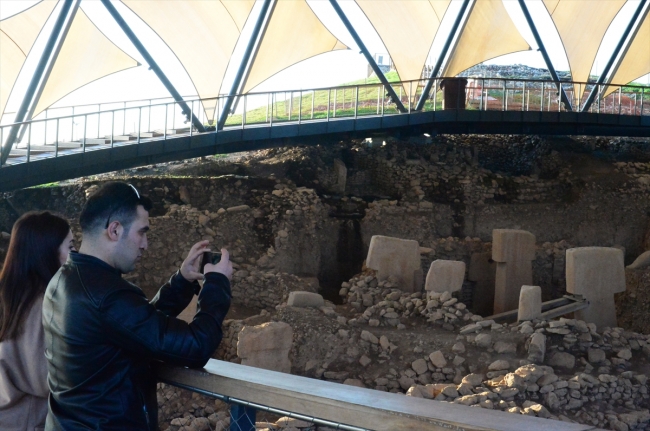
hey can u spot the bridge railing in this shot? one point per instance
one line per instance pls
(336, 406)
(92, 127)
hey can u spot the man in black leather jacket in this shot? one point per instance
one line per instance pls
(101, 332)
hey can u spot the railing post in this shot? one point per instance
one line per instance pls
(620, 94)
(29, 141)
(140, 123)
(112, 127)
(300, 107)
(243, 114)
(56, 142)
(313, 96)
(642, 97)
(271, 120)
(503, 103)
(290, 104)
(242, 418)
(356, 102)
(523, 98)
(334, 109)
(84, 138)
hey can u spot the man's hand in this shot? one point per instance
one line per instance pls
(191, 267)
(224, 266)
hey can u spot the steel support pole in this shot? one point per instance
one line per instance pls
(42, 72)
(617, 50)
(364, 51)
(441, 57)
(152, 63)
(248, 58)
(547, 59)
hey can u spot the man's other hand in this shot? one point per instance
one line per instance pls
(224, 266)
(191, 267)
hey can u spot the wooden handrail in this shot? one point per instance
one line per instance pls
(350, 405)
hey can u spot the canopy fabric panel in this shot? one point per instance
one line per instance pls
(636, 61)
(86, 55)
(408, 49)
(488, 33)
(239, 10)
(294, 33)
(582, 25)
(17, 35)
(202, 35)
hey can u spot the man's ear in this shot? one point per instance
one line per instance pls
(114, 230)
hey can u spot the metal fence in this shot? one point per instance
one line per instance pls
(95, 126)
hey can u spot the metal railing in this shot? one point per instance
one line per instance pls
(136, 121)
(249, 390)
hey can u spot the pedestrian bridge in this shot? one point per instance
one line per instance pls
(71, 142)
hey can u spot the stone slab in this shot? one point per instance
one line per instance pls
(596, 273)
(510, 277)
(511, 245)
(530, 303)
(305, 299)
(395, 257)
(266, 346)
(445, 276)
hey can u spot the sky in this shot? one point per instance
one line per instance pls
(325, 70)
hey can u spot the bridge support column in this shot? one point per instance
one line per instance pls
(617, 50)
(547, 59)
(42, 72)
(366, 53)
(154, 66)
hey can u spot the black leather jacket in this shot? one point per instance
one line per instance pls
(101, 335)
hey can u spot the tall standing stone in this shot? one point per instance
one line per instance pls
(396, 257)
(596, 273)
(266, 346)
(514, 251)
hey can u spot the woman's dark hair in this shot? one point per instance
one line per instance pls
(31, 262)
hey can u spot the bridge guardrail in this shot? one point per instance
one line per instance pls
(81, 132)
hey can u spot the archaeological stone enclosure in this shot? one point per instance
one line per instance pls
(430, 267)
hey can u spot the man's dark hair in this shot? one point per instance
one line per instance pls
(113, 201)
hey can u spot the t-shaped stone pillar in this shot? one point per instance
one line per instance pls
(396, 257)
(514, 251)
(596, 273)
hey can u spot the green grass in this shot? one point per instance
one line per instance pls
(327, 103)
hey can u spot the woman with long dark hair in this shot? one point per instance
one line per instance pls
(40, 244)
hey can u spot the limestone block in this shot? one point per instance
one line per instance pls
(395, 257)
(445, 276)
(510, 277)
(189, 312)
(530, 303)
(596, 273)
(341, 172)
(305, 299)
(510, 245)
(266, 346)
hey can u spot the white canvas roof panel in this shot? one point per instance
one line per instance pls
(17, 35)
(294, 33)
(488, 33)
(86, 55)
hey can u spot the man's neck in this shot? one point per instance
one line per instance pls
(90, 248)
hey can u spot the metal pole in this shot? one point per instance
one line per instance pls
(42, 72)
(617, 50)
(152, 64)
(366, 54)
(249, 57)
(547, 59)
(441, 57)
